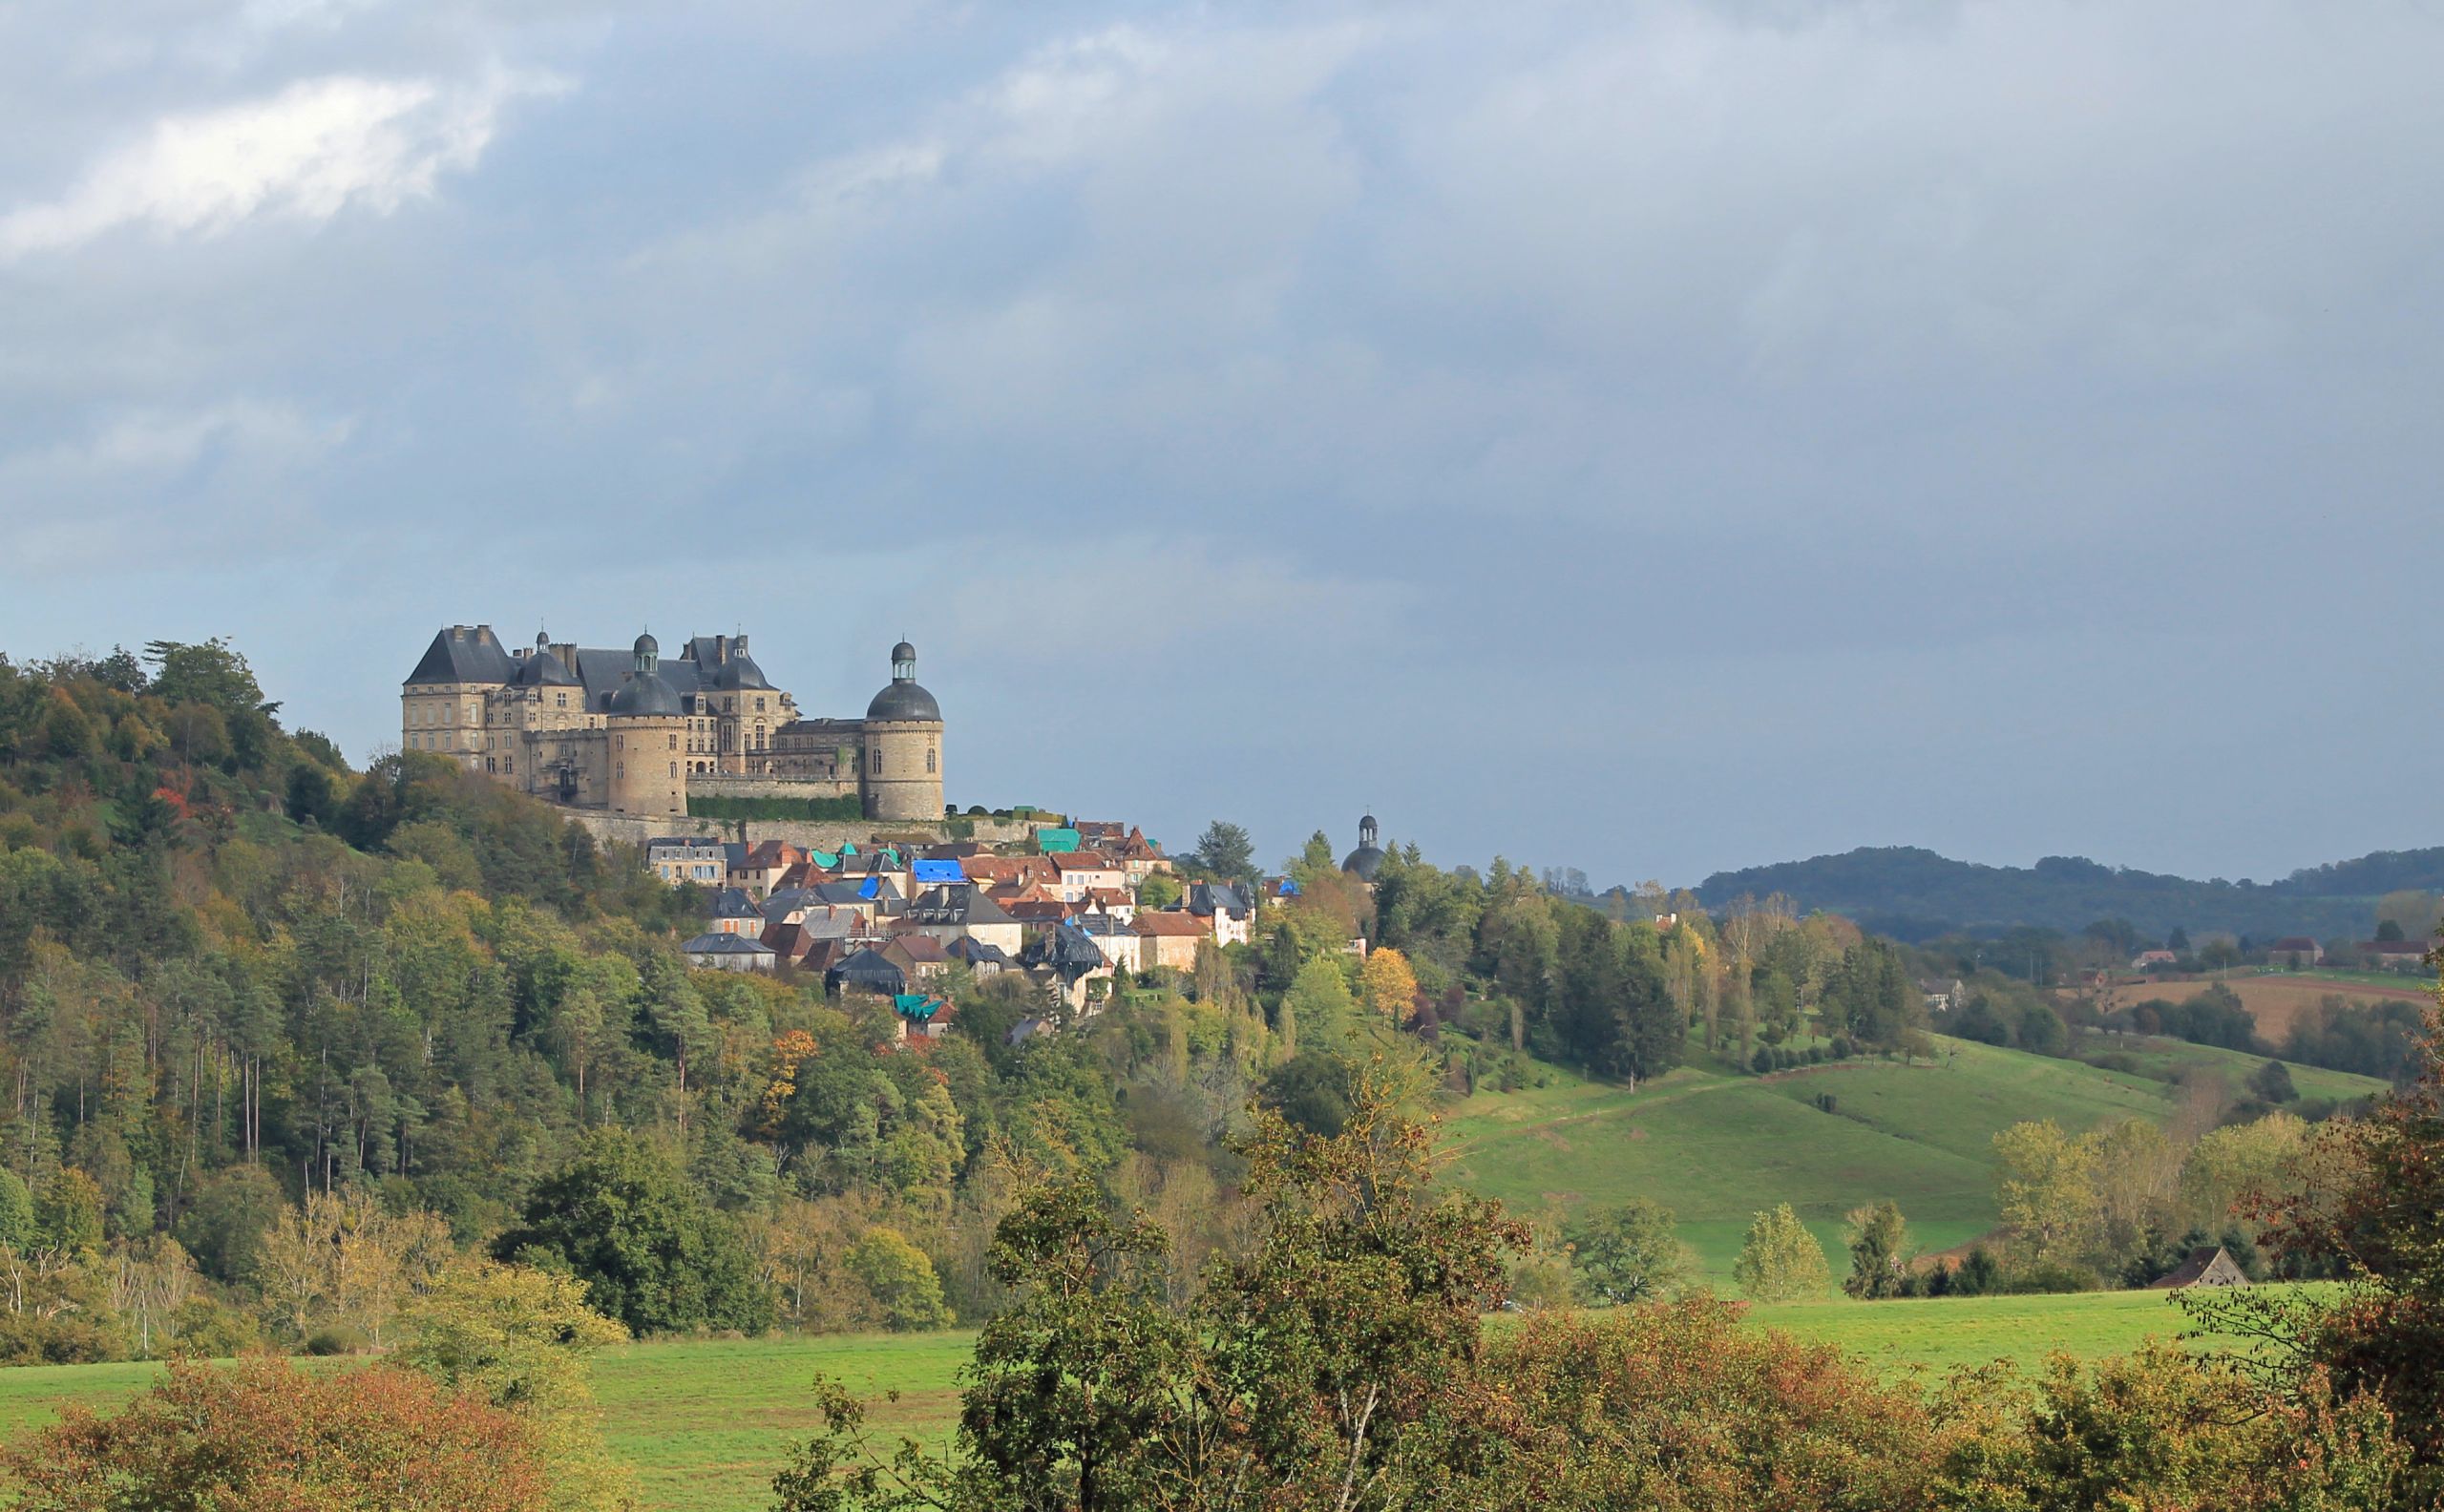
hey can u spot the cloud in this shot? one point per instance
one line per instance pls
(317, 148)
(223, 482)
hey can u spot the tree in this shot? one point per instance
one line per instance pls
(2271, 1083)
(651, 1254)
(1630, 1254)
(901, 1279)
(1159, 890)
(523, 1341)
(1387, 985)
(1780, 1261)
(2045, 1186)
(1316, 1007)
(2369, 1201)
(1225, 850)
(262, 1435)
(1878, 1241)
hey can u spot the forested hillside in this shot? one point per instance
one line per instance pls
(1911, 893)
(260, 1012)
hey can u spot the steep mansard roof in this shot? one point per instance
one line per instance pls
(464, 654)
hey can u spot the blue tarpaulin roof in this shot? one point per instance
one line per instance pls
(934, 872)
(870, 886)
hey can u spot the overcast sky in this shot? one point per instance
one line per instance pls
(1649, 437)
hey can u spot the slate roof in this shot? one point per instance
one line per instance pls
(734, 903)
(1066, 949)
(867, 970)
(1209, 898)
(975, 952)
(464, 654)
(957, 905)
(724, 945)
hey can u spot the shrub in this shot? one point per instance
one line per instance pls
(265, 1436)
(337, 1340)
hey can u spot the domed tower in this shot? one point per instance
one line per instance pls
(647, 729)
(901, 774)
(1367, 859)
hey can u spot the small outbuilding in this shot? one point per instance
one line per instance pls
(2208, 1268)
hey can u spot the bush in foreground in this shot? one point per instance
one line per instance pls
(262, 1436)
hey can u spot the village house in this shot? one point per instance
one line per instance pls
(723, 951)
(1082, 872)
(2295, 951)
(734, 913)
(965, 911)
(1223, 913)
(678, 860)
(1167, 938)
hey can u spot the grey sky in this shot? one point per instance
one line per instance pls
(1647, 437)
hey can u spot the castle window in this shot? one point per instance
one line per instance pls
(621, 771)
(560, 701)
(929, 761)
(674, 743)
(759, 706)
(674, 768)
(874, 759)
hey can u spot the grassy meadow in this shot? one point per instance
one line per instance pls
(1716, 1148)
(707, 1423)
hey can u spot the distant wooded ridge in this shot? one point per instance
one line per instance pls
(1913, 894)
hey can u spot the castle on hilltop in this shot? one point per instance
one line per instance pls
(631, 732)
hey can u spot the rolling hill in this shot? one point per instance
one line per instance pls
(1716, 1148)
(1915, 894)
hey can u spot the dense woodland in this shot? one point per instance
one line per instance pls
(262, 1011)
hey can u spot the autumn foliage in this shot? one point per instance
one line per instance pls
(262, 1435)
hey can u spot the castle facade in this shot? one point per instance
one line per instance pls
(631, 732)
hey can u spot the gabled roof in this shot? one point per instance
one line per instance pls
(1172, 922)
(734, 903)
(870, 969)
(964, 904)
(975, 952)
(726, 945)
(464, 654)
(919, 950)
(2213, 1267)
(1083, 861)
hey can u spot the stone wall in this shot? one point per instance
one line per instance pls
(738, 785)
(609, 828)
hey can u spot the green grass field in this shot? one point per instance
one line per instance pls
(707, 1423)
(1716, 1147)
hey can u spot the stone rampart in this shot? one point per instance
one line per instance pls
(812, 834)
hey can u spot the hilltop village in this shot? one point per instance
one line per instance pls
(1073, 907)
(1078, 910)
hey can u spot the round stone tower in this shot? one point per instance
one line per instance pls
(647, 732)
(900, 774)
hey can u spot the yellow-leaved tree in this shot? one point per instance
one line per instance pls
(1386, 984)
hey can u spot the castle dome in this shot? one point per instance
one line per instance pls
(647, 694)
(1367, 859)
(903, 702)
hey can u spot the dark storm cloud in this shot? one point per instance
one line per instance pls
(1651, 438)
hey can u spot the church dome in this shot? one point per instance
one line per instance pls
(1367, 859)
(904, 702)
